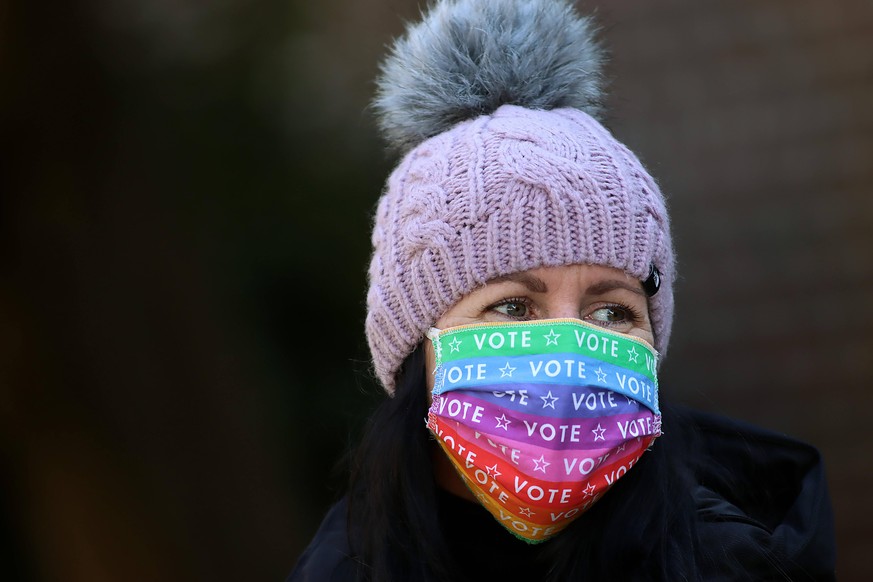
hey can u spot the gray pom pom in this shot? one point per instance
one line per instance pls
(468, 57)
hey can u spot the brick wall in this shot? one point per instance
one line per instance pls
(757, 119)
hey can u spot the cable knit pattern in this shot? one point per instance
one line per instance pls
(503, 193)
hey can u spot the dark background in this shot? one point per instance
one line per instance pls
(184, 232)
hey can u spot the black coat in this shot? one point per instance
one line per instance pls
(763, 511)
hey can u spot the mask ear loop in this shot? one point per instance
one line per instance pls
(653, 282)
(650, 287)
(433, 335)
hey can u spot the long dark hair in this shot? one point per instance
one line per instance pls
(642, 529)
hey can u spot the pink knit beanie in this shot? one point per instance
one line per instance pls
(487, 188)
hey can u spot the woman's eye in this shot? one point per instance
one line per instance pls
(613, 314)
(512, 309)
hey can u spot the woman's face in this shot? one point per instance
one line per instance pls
(600, 295)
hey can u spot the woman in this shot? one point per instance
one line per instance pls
(521, 296)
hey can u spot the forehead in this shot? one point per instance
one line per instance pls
(549, 279)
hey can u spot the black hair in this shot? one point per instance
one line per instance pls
(392, 495)
(641, 529)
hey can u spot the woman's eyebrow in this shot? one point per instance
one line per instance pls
(533, 283)
(602, 287)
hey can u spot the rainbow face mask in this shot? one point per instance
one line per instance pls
(541, 417)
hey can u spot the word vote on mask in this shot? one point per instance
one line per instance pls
(541, 417)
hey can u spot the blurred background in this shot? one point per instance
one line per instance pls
(185, 201)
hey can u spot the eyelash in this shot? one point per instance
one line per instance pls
(634, 314)
(520, 300)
